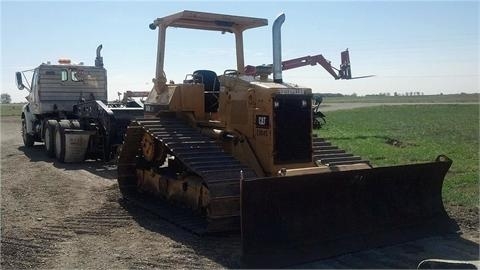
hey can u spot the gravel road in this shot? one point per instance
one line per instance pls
(61, 216)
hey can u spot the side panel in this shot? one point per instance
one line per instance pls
(61, 87)
(54, 87)
(287, 220)
(177, 98)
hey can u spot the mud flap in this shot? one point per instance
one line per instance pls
(75, 145)
(294, 219)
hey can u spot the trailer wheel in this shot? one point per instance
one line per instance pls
(49, 137)
(28, 139)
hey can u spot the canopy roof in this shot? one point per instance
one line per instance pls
(210, 21)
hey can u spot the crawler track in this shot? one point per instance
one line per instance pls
(202, 156)
(330, 155)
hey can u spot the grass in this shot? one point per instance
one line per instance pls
(420, 132)
(11, 109)
(454, 98)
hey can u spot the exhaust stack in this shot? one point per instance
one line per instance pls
(99, 59)
(277, 48)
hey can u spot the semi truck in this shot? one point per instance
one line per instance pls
(68, 111)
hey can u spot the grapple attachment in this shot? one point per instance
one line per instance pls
(293, 219)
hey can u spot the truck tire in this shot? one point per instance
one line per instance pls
(49, 137)
(28, 139)
(60, 140)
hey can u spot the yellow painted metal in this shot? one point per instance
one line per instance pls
(148, 147)
(188, 190)
(326, 169)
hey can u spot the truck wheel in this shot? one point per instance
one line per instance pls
(28, 139)
(60, 143)
(49, 138)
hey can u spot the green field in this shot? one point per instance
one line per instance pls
(454, 98)
(11, 109)
(403, 134)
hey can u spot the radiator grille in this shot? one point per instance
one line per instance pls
(292, 128)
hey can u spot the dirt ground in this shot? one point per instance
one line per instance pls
(61, 216)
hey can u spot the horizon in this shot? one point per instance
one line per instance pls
(327, 95)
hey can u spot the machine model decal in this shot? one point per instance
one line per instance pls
(261, 132)
(291, 91)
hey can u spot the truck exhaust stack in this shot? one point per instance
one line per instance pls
(99, 59)
(277, 48)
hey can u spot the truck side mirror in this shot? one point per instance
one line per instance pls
(18, 76)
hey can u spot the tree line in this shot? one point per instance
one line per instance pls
(5, 98)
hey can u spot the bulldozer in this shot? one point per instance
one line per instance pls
(236, 152)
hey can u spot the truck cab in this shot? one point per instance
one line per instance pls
(55, 89)
(67, 109)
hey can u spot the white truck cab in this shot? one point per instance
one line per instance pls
(67, 109)
(54, 94)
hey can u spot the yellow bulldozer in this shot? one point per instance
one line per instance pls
(238, 151)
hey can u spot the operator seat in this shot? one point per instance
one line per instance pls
(212, 88)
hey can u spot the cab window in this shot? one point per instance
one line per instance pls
(64, 74)
(77, 75)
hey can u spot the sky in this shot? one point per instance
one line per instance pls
(410, 46)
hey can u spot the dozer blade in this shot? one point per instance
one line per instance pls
(293, 219)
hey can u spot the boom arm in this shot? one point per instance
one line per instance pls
(343, 73)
